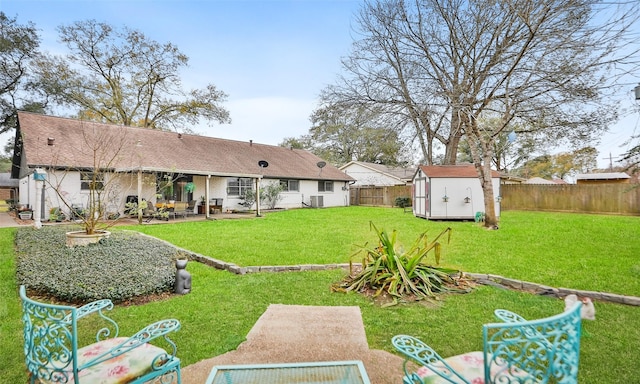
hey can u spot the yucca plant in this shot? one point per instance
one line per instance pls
(402, 274)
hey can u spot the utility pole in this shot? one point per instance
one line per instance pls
(610, 161)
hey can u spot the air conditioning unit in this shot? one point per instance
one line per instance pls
(317, 201)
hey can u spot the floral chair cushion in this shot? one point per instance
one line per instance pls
(469, 365)
(121, 369)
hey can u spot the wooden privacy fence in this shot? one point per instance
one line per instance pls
(379, 196)
(623, 199)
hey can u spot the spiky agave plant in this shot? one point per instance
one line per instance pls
(389, 268)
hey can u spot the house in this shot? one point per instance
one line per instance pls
(451, 192)
(539, 180)
(603, 178)
(154, 165)
(366, 174)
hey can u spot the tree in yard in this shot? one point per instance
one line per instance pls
(123, 77)
(19, 44)
(342, 133)
(101, 151)
(550, 66)
(561, 165)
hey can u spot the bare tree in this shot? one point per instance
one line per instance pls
(123, 77)
(548, 65)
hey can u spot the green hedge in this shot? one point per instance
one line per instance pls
(121, 267)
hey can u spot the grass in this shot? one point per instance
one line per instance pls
(591, 252)
(223, 307)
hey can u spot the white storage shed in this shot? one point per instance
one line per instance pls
(450, 192)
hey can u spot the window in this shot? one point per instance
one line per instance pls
(87, 179)
(325, 186)
(290, 185)
(239, 186)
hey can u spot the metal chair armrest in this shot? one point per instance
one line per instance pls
(423, 354)
(92, 307)
(143, 336)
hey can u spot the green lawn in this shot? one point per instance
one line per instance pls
(591, 252)
(577, 251)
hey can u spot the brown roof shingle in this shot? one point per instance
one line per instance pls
(151, 149)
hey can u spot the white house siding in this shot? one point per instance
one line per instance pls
(290, 199)
(68, 185)
(367, 176)
(339, 197)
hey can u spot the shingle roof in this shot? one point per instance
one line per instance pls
(6, 181)
(603, 176)
(403, 174)
(149, 149)
(458, 171)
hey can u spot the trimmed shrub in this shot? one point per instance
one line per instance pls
(119, 268)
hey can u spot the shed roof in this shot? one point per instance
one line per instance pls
(453, 171)
(155, 150)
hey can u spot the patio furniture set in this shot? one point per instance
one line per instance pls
(515, 350)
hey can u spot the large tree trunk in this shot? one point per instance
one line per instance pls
(490, 218)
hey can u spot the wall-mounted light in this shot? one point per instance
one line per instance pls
(445, 198)
(467, 200)
(50, 141)
(499, 199)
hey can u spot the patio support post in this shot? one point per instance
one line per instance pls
(140, 195)
(257, 196)
(206, 196)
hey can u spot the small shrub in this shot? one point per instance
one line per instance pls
(121, 267)
(388, 268)
(403, 202)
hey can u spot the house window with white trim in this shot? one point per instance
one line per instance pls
(290, 185)
(239, 186)
(325, 186)
(87, 179)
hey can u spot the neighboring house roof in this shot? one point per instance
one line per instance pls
(155, 150)
(453, 171)
(603, 176)
(7, 182)
(399, 173)
(539, 180)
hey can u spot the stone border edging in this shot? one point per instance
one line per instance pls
(481, 278)
(539, 289)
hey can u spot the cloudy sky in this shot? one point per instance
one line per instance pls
(272, 57)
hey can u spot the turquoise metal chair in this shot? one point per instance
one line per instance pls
(515, 351)
(52, 354)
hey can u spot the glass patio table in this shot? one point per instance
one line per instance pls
(326, 372)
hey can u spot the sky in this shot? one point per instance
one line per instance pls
(271, 57)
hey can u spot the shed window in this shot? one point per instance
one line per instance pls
(239, 186)
(325, 186)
